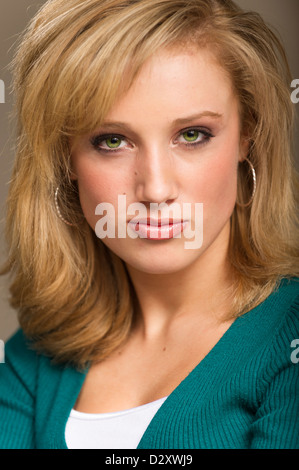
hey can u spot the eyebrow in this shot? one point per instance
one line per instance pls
(177, 122)
(193, 117)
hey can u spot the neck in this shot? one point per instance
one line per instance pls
(201, 289)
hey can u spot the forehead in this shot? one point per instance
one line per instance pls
(172, 82)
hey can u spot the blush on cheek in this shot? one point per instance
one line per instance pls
(221, 185)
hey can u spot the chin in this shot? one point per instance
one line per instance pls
(167, 264)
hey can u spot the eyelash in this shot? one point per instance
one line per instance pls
(96, 140)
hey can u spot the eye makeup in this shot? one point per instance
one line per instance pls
(193, 137)
(189, 138)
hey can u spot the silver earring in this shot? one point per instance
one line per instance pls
(254, 184)
(58, 210)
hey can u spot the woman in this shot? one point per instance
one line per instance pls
(129, 336)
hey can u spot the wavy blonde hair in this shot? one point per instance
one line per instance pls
(73, 295)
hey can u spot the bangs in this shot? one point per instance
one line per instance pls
(89, 64)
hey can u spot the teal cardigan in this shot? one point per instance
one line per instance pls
(243, 395)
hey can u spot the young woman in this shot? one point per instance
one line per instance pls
(152, 231)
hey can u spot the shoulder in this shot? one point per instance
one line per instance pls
(288, 288)
(279, 310)
(266, 334)
(25, 366)
(286, 292)
(20, 364)
(34, 394)
(286, 307)
(278, 316)
(282, 306)
(17, 394)
(275, 424)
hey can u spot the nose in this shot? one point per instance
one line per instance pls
(156, 177)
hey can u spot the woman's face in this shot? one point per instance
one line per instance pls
(173, 138)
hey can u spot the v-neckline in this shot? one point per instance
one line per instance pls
(204, 362)
(229, 339)
(178, 389)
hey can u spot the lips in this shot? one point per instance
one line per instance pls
(158, 229)
(158, 222)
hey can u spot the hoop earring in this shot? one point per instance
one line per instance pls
(58, 210)
(254, 184)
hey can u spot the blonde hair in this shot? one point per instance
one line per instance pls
(74, 296)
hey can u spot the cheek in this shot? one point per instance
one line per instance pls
(94, 187)
(223, 180)
(216, 186)
(100, 183)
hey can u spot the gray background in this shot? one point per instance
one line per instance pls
(15, 14)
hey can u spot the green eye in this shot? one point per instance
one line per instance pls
(191, 136)
(113, 142)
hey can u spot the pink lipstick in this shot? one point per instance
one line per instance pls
(157, 229)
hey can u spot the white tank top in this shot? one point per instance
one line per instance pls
(118, 430)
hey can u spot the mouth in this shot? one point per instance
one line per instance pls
(158, 229)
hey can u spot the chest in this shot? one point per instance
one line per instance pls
(142, 372)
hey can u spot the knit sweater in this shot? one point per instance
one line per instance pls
(243, 395)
